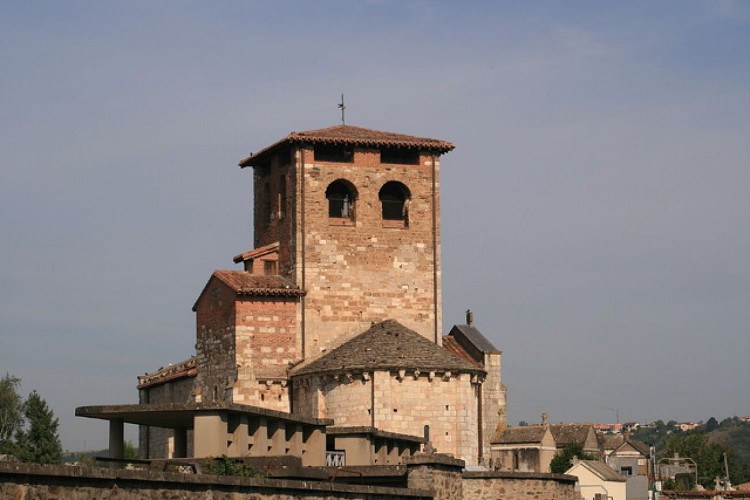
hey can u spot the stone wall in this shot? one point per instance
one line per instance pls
(493, 403)
(266, 342)
(518, 486)
(215, 342)
(20, 481)
(400, 406)
(368, 269)
(244, 346)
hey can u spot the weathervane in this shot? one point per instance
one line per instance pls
(342, 107)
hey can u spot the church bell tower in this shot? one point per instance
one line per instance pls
(351, 216)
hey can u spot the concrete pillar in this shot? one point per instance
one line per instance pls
(209, 435)
(116, 437)
(314, 448)
(180, 443)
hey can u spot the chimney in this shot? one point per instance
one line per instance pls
(469, 317)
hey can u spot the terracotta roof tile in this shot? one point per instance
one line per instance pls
(521, 434)
(387, 346)
(353, 136)
(244, 283)
(566, 434)
(601, 469)
(187, 368)
(450, 344)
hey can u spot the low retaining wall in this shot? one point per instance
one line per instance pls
(519, 485)
(21, 481)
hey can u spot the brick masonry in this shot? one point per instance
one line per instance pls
(361, 270)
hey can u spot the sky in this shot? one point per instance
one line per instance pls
(595, 211)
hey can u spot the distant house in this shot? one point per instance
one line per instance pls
(631, 460)
(567, 434)
(524, 449)
(687, 426)
(597, 480)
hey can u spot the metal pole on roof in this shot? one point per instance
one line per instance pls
(342, 107)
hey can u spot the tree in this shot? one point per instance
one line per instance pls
(11, 412)
(708, 456)
(712, 425)
(563, 459)
(39, 443)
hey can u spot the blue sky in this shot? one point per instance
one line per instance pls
(595, 210)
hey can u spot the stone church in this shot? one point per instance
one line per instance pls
(331, 325)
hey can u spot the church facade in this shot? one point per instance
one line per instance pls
(335, 314)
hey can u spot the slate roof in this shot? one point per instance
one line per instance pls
(519, 435)
(386, 346)
(352, 136)
(476, 338)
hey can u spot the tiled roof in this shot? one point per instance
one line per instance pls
(638, 446)
(518, 435)
(601, 469)
(566, 434)
(261, 285)
(387, 346)
(244, 283)
(609, 442)
(257, 252)
(353, 136)
(187, 368)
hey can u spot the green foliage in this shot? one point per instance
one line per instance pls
(563, 459)
(681, 482)
(11, 412)
(39, 442)
(129, 451)
(655, 434)
(225, 466)
(712, 425)
(708, 456)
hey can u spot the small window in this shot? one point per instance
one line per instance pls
(394, 199)
(626, 471)
(334, 153)
(399, 156)
(341, 197)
